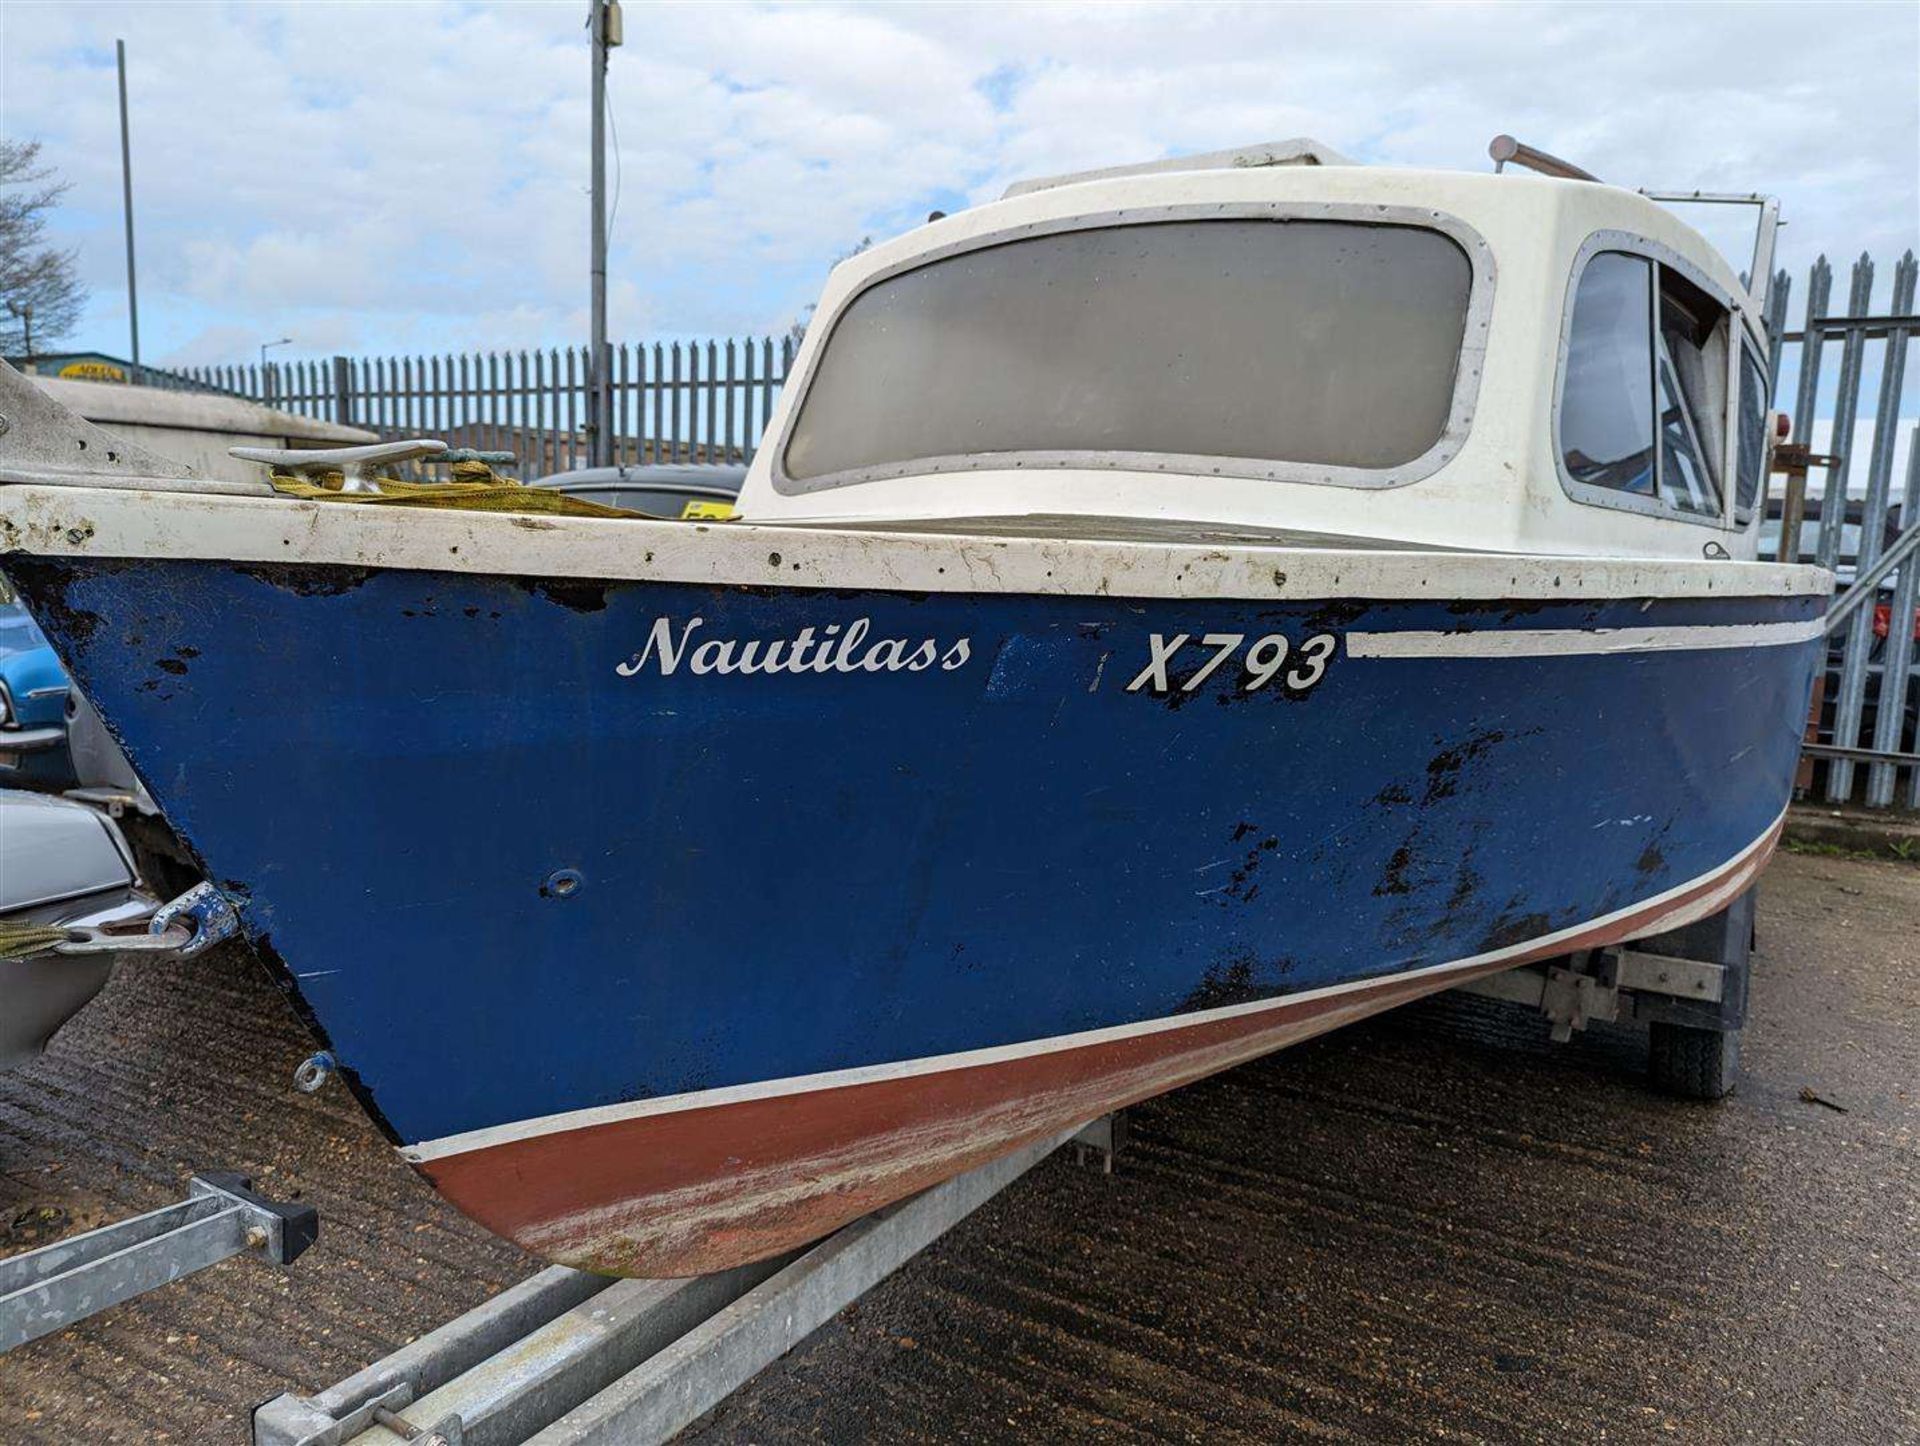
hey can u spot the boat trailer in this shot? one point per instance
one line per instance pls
(1688, 986)
(49, 1289)
(565, 1358)
(568, 1358)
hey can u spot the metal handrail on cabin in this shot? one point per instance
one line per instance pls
(1504, 148)
(1759, 275)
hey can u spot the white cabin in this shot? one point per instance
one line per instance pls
(1304, 351)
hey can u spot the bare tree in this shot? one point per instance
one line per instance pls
(42, 295)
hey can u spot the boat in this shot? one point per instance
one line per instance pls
(1174, 613)
(197, 427)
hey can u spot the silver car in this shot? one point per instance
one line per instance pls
(659, 489)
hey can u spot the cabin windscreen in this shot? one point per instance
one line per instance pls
(1325, 343)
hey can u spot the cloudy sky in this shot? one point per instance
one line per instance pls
(411, 176)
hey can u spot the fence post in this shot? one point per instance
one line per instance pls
(342, 392)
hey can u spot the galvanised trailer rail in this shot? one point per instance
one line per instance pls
(572, 1359)
(49, 1289)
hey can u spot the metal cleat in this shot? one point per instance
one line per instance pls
(358, 466)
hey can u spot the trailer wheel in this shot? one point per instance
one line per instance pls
(1693, 1063)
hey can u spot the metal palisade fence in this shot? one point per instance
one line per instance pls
(1844, 496)
(701, 401)
(1835, 498)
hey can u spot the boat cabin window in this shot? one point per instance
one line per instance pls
(1750, 434)
(1239, 343)
(1643, 402)
(1606, 408)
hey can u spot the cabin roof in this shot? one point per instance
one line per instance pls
(1304, 171)
(1300, 151)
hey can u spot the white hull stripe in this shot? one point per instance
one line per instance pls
(1733, 877)
(1550, 642)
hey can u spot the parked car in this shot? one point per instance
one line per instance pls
(33, 703)
(61, 864)
(662, 489)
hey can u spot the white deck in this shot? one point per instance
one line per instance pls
(128, 522)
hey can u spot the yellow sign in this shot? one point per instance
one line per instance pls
(706, 511)
(93, 372)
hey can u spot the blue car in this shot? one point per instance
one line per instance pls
(33, 703)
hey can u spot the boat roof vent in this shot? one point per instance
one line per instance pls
(1300, 151)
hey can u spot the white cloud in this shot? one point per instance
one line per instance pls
(413, 176)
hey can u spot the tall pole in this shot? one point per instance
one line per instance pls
(126, 192)
(599, 442)
(24, 310)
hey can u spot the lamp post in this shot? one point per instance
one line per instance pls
(126, 195)
(267, 387)
(605, 24)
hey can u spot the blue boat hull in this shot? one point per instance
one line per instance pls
(519, 855)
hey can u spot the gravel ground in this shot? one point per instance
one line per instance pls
(1435, 1226)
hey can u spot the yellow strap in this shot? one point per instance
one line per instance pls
(476, 488)
(20, 941)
